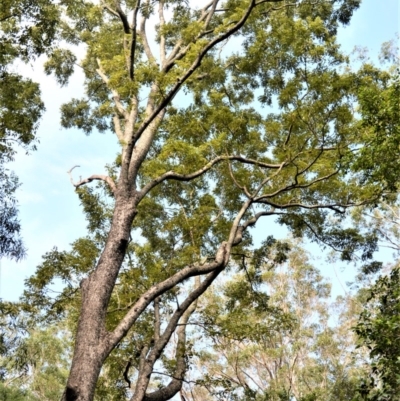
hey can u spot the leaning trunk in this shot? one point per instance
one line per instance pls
(90, 344)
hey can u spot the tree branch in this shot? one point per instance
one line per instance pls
(175, 384)
(180, 81)
(243, 188)
(133, 43)
(94, 177)
(157, 320)
(145, 43)
(170, 175)
(160, 288)
(162, 36)
(210, 13)
(249, 223)
(126, 373)
(268, 179)
(177, 55)
(118, 128)
(116, 97)
(122, 16)
(109, 9)
(295, 186)
(154, 354)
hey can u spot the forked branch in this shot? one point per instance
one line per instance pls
(184, 311)
(194, 66)
(160, 288)
(170, 175)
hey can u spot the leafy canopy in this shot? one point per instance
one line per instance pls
(247, 111)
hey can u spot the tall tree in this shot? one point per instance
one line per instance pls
(193, 176)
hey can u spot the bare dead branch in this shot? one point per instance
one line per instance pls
(94, 177)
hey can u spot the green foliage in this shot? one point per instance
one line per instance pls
(288, 350)
(10, 393)
(379, 107)
(10, 241)
(69, 267)
(61, 64)
(378, 329)
(33, 360)
(20, 111)
(271, 126)
(27, 30)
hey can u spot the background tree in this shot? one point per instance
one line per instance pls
(191, 180)
(27, 30)
(378, 324)
(275, 334)
(378, 330)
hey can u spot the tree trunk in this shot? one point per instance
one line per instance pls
(91, 341)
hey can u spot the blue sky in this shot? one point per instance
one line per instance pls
(49, 209)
